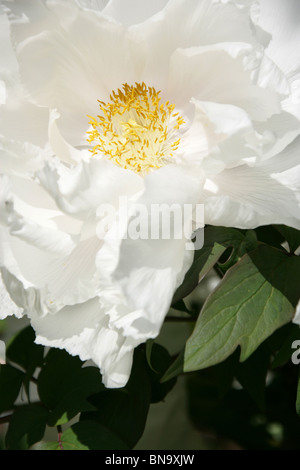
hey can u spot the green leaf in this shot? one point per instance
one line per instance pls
(284, 353)
(160, 362)
(26, 427)
(175, 369)
(248, 244)
(11, 380)
(216, 240)
(23, 351)
(270, 236)
(181, 307)
(52, 445)
(3, 325)
(86, 435)
(148, 350)
(257, 296)
(252, 374)
(229, 414)
(291, 235)
(64, 386)
(124, 411)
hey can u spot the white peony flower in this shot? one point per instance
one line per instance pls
(189, 102)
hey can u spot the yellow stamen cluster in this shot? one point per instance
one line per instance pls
(135, 130)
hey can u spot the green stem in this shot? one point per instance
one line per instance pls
(59, 434)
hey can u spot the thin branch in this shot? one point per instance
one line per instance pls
(59, 434)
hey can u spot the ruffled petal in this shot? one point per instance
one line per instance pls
(44, 236)
(79, 190)
(227, 130)
(281, 20)
(248, 197)
(221, 74)
(83, 330)
(68, 64)
(143, 265)
(47, 255)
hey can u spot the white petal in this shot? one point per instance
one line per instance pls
(197, 23)
(69, 322)
(281, 19)
(63, 280)
(248, 197)
(28, 230)
(227, 129)
(189, 24)
(26, 296)
(7, 306)
(276, 133)
(80, 189)
(150, 265)
(95, 5)
(133, 11)
(219, 74)
(19, 158)
(59, 80)
(122, 58)
(195, 141)
(70, 75)
(60, 147)
(83, 330)
(24, 122)
(48, 263)
(9, 65)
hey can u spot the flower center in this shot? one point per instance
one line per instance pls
(136, 130)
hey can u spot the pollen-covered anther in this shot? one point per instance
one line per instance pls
(135, 129)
